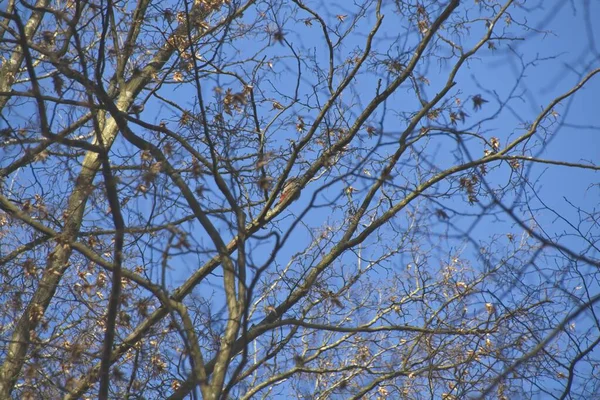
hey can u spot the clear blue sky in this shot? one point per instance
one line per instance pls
(566, 45)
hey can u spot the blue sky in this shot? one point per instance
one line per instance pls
(564, 47)
(555, 58)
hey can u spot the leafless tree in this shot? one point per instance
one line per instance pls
(246, 199)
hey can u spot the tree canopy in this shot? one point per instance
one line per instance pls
(240, 199)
